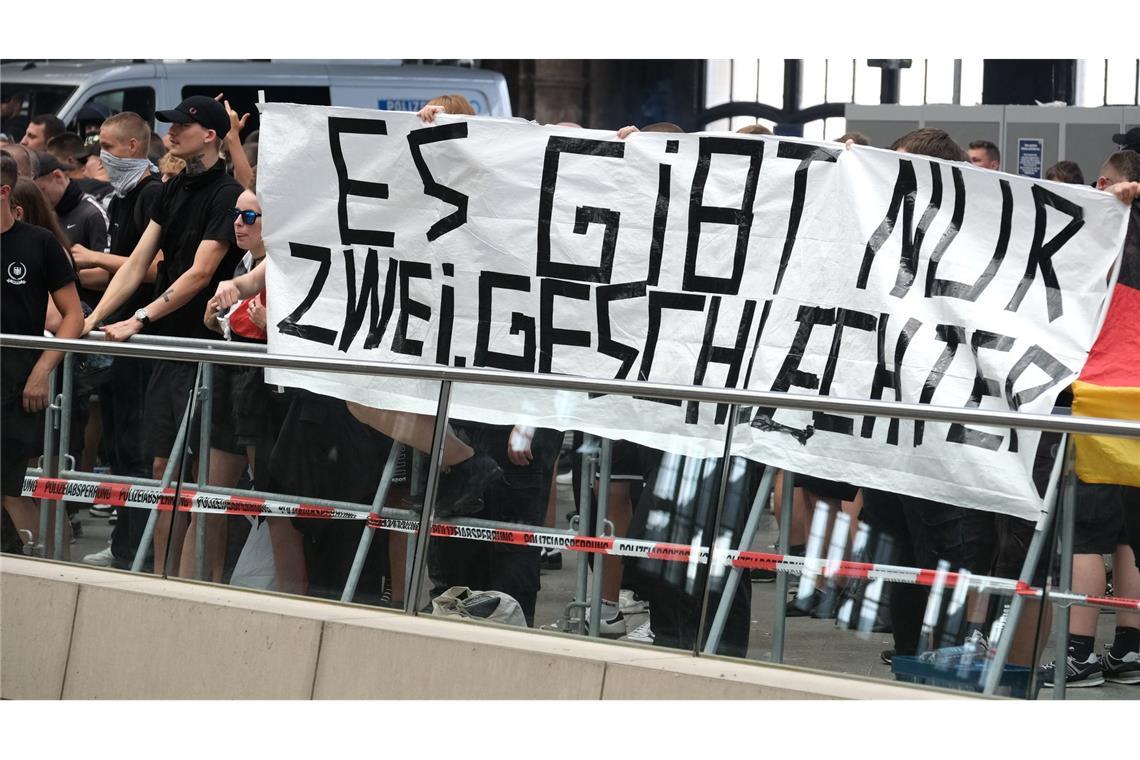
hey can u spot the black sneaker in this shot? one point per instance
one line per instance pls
(796, 608)
(886, 656)
(1077, 674)
(1124, 669)
(763, 576)
(550, 559)
(461, 487)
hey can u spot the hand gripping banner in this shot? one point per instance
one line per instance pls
(717, 260)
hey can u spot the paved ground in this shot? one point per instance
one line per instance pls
(809, 642)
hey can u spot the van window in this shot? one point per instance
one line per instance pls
(243, 98)
(33, 100)
(139, 100)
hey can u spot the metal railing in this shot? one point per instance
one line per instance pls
(208, 353)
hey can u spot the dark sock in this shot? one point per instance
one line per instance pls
(797, 550)
(1127, 640)
(1081, 647)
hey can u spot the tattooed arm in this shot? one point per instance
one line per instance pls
(206, 260)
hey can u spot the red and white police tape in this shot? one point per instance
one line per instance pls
(152, 497)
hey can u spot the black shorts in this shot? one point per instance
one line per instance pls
(629, 461)
(223, 430)
(167, 391)
(23, 439)
(831, 489)
(1098, 523)
(13, 467)
(1131, 497)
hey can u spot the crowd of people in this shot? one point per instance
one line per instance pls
(111, 227)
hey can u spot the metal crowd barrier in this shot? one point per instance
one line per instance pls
(1061, 491)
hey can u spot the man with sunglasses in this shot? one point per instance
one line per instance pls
(191, 225)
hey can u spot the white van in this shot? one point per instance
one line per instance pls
(64, 87)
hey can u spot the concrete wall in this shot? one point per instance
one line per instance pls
(70, 632)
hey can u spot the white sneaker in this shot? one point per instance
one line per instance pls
(101, 510)
(631, 604)
(102, 558)
(613, 622)
(642, 634)
(565, 478)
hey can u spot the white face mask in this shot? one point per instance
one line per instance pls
(125, 173)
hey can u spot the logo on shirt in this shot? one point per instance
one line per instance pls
(17, 273)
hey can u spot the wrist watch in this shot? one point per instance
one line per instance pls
(143, 317)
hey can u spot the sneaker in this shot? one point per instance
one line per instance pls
(1077, 674)
(101, 510)
(886, 656)
(763, 576)
(102, 558)
(550, 559)
(642, 634)
(1124, 669)
(631, 604)
(613, 622)
(795, 608)
(564, 479)
(461, 487)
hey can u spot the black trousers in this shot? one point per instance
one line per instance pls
(521, 500)
(121, 403)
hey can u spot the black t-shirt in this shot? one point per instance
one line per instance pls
(130, 216)
(85, 222)
(190, 210)
(34, 266)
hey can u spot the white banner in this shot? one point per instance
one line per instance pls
(714, 260)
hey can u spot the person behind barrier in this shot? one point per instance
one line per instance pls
(256, 410)
(921, 532)
(985, 155)
(1068, 172)
(26, 161)
(123, 141)
(35, 269)
(468, 472)
(1100, 527)
(82, 217)
(191, 225)
(41, 129)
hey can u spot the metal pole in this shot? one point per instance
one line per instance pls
(366, 536)
(49, 466)
(957, 81)
(584, 495)
(167, 476)
(713, 565)
(712, 643)
(64, 445)
(206, 398)
(438, 436)
(599, 530)
(994, 668)
(1065, 520)
(787, 498)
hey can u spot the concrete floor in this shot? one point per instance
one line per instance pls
(809, 642)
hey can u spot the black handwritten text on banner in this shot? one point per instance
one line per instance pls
(714, 260)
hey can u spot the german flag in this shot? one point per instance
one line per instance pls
(1109, 386)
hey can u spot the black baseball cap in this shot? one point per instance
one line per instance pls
(198, 109)
(49, 163)
(1129, 140)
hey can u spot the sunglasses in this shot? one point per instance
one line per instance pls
(249, 216)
